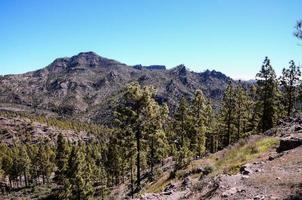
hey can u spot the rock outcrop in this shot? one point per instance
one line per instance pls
(290, 142)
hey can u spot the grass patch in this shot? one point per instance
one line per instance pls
(237, 156)
(227, 161)
(159, 185)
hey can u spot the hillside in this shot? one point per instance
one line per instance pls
(87, 86)
(16, 127)
(258, 167)
(89, 127)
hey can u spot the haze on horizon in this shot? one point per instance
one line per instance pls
(229, 36)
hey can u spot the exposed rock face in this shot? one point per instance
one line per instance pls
(290, 142)
(87, 85)
(290, 132)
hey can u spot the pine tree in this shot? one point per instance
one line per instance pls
(114, 161)
(181, 122)
(61, 159)
(228, 115)
(242, 110)
(253, 114)
(78, 174)
(154, 131)
(23, 163)
(290, 80)
(125, 140)
(45, 159)
(7, 164)
(212, 139)
(200, 113)
(183, 155)
(134, 113)
(267, 92)
(298, 32)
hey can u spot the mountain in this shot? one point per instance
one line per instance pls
(86, 86)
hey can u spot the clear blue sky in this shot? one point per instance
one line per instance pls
(232, 36)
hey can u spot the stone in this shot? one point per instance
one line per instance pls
(230, 192)
(186, 182)
(289, 143)
(167, 193)
(245, 169)
(298, 128)
(258, 170)
(170, 187)
(244, 177)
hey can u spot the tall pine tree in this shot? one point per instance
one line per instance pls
(242, 111)
(61, 159)
(290, 80)
(267, 92)
(199, 115)
(78, 185)
(135, 112)
(227, 117)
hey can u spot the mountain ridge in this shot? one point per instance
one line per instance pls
(85, 84)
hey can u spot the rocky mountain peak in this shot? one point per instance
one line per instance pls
(214, 74)
(82, 60)
(180, 70)
(88, 54)
(86, 59)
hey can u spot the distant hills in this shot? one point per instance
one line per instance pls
(87, 86)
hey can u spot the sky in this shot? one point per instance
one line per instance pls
(231, 36)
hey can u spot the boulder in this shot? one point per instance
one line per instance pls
(289, 143)
(246, 169)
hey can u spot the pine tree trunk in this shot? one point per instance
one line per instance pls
(131, 177)
(290, 102)
(152, 159)
(10, 182)
(43, 179)
(238, 131)
(25, 179)
(138, 182)
(228, 131)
